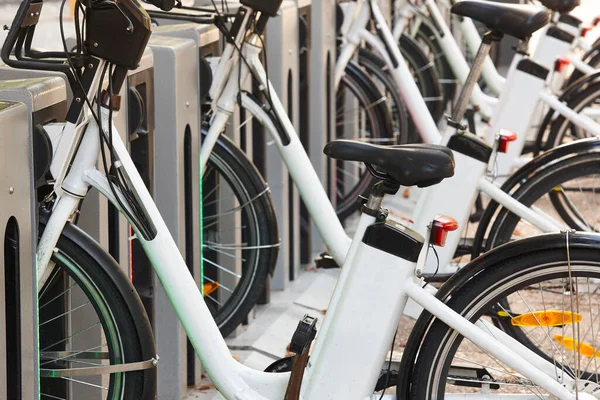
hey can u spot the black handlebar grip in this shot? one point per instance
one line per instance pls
(165, 5)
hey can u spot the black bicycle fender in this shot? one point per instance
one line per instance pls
(87, 244)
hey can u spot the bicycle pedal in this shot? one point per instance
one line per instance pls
(326, 261)
(281, 365)
(471, 377)
(476, 216)
(387, 379)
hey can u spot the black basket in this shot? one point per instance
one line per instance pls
(269, 7)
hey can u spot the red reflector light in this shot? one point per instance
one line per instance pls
(504, 138)
(585, 30)
(561, 63)
(442, 224)
(596, 21)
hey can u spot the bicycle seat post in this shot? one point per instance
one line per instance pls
(473, 77)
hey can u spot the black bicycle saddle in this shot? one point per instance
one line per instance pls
(410, 164)
(561, 6)
(517, 20)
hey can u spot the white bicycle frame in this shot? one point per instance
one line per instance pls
(328, 373)
(546, 52)
(354, 31)
(365, 268)
(471, 176)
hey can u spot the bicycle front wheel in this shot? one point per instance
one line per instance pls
(240, 242)
(534, 285)
(90, 317)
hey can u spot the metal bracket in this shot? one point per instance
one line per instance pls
(87, 371)
(33, 15)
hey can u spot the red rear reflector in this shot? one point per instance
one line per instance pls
(585, 30)
(504, 138)
(561, 63)
(596, 21)
(442, 224)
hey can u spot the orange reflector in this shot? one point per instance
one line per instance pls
(546, 318)
(584, 348)
(210, 287)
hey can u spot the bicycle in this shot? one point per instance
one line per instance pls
(475, 159)
(325, 373)
(125, 325)
(431, 29)
(556, 46)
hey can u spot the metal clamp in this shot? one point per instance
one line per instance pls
(33, 15)
(88, 371)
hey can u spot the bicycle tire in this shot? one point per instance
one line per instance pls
(560, 127)
(427, 40)
(426, 75)
(480, 294)
(372, 104)
(376, 67)
(259, 242)
(125, 326)
(545, 181)
(591, 57)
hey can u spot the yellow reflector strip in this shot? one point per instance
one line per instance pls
(210, 287)
(584, 348)
(502, 314)
(546, 318)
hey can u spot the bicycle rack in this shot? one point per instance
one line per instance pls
(245, 135)
(23, 104)
(207, 44)
(317, 125)
(8, 73)
(176, 194)
(304, 49)
(283, 63)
